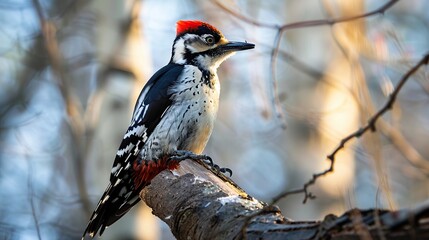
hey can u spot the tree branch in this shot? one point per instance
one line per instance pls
(278, 111)
(370, 126)
(198, 204)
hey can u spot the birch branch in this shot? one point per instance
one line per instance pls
(197, 203)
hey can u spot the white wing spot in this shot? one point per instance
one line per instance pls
(136, 150)
(137, 130)
(122, 151)
(105, 198)
(140, 102)
(115, 168)
(127, 166)
(119, 171)
(117, 182)
(144, 111)
(137, 113)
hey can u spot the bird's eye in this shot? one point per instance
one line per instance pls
(210, 40)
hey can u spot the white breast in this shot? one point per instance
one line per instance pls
(189, 121)
(202, 102)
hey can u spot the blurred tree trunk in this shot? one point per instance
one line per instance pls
(125, 67)
(351, 38)
(201, 205)
(340, 109)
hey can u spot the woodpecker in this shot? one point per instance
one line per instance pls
(172, 120)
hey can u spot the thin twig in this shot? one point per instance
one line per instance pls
(31, 194)
(302, 24)
(245, 18)
(278, 110)
(410, 153)
(274, 54)
(312, 23)
(277, 40)
(48, 30)
(370, 126)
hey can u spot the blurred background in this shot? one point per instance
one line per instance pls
(71, 71)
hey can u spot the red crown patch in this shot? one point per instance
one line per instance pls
(192, 25)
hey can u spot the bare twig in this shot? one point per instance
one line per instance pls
(245, 18)
(370, 126)
(302, 24)
(410, 153)
(31, 196)
(281, 28)
(331, 157)
(48, 30)
(311, 23)
(276, 102)
(275, 96)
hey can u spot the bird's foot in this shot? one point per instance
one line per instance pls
(181, 155)
(222, 170)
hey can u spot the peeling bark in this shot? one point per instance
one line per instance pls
(199, 204)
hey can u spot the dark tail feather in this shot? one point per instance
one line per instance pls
(96, 220)
(123, 193)
(109, 210)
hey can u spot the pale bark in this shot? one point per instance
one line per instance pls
(197, 204)
(123, 47)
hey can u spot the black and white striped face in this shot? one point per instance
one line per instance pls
(204, 47)
(193, 48)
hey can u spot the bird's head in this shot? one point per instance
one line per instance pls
(198, 43)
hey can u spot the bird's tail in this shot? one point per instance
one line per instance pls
(111, 207)
(123, 193)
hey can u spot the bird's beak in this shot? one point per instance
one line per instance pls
(236, 46)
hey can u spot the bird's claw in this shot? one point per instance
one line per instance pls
(181, 155)
(226, 170)
(222, 170)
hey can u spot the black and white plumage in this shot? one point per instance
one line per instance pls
(174, 114)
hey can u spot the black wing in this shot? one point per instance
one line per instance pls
(151, 104)
(121, 194)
